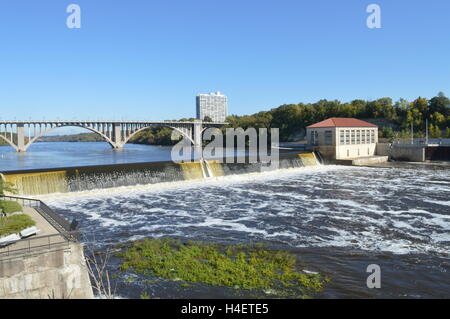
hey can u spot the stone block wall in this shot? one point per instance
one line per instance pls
(59, 273)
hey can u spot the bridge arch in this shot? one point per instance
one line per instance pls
(48, 130)
(9, 142)
(150, 126)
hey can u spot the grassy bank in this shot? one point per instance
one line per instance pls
(15, 224)
(8, 207)
(248, 267)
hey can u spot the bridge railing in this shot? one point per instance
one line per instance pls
(111, 122)
(423, 141)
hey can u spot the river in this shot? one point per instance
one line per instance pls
(336, 219)
(67, 154)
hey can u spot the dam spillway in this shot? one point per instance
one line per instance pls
(74, 179)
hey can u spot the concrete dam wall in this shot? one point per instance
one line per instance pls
(73, 179)
(414, 153)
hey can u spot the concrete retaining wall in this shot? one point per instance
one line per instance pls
(411, 153)
(383, 149)
(370, 160)
(51, 273)
(364, 161)
(408, 153)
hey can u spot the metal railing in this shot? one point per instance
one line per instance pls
(422, 141)
(29, 202)
(33, 244)
(53, 218)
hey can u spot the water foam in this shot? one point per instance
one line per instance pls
(327, 206)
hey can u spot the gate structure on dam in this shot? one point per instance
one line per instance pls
(20, 135)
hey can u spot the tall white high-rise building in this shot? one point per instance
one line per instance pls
(213, 105)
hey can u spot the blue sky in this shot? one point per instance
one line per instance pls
(144, 59)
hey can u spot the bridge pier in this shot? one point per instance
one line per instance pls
(117, 136)
(196, 133)
(21, 138)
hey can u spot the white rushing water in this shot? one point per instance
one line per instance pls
(376, 209)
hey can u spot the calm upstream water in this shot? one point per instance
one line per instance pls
(65, 154)
(336, 219)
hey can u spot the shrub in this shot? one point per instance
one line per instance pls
(8, 206)
(6, 187)
(14, 224)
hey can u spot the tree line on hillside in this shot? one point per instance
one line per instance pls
(81, 137)
(393, 118)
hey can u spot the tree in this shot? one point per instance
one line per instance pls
(421, 104)
(97, 267)
(386, 132)
(440, 104)
(6, 187)
(438, 119)
(435, 131)
(207, 119)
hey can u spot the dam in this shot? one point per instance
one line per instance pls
(74, 179)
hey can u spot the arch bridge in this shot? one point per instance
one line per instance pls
(20, 135)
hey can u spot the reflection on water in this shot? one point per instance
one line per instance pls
(65, 154)
(337, 219)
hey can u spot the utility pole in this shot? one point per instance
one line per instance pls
(426, 130)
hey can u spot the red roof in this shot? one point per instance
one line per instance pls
(342, 122)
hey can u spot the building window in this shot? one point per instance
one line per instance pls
(372, 136)
(347, 137)
(363, 137)
(358, 137)
(342, 139)
(353, 137)
(328, 138)
(314, 138)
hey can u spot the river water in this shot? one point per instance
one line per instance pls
(66, 154)
(336, 219)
